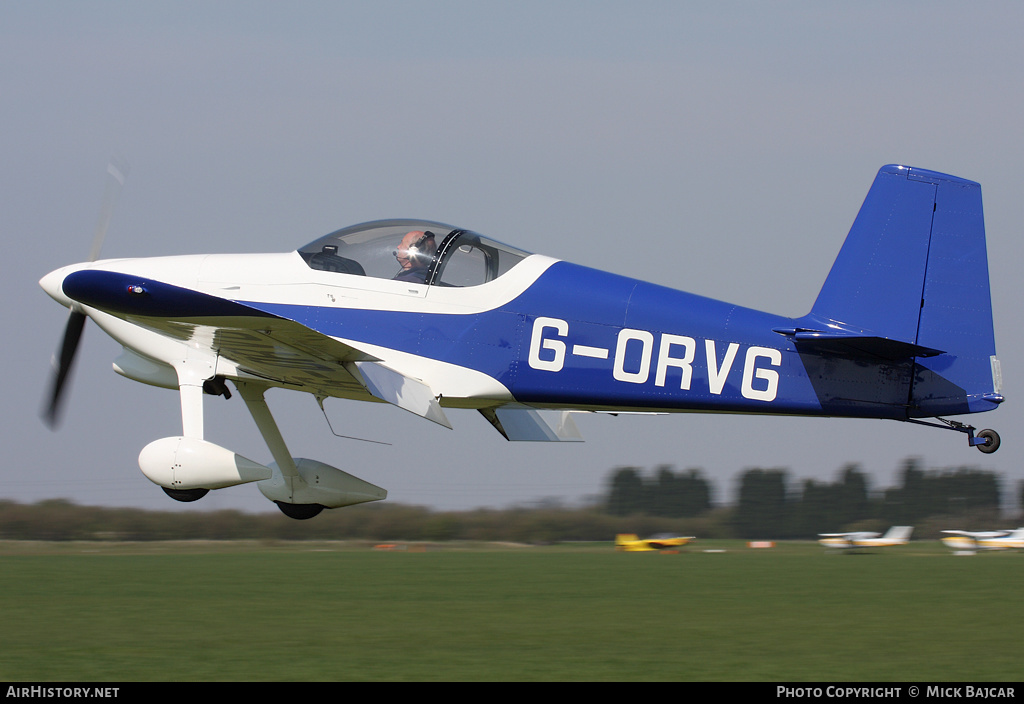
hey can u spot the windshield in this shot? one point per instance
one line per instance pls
(417, 251)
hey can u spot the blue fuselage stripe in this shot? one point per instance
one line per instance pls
(596, 308)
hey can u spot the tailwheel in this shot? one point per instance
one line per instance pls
(991, 441)
(985, 440)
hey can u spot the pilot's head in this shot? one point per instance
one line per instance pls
(416, 250)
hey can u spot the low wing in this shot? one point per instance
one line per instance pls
(258, 344)
(252, 344)
(275, 350)
(289, 354)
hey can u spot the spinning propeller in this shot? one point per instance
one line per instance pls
(116, 172)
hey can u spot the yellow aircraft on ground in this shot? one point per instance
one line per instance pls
(970, 541)
(897, 535)
(629, 542)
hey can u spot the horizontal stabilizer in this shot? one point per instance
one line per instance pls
(531, 425)
(402, 391)
(853, 345)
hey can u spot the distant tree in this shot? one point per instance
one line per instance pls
(908, 502)
(667, 493)
(829, 507)
(964, 489)
(854, 496)
(663, 494)
(817, 509)
(696, 499)
(761, 511)
(626, 492)
(935, 493)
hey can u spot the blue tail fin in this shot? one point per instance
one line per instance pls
(912, 280)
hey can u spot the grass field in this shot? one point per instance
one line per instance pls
(343, 612)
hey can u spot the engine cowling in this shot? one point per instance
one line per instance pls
(319, 483)
(191, 463)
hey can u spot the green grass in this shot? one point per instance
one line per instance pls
(240, 612)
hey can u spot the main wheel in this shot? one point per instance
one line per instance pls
(299, 512)
(991, 443)
(185, 495)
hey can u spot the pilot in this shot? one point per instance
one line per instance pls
(415, 253)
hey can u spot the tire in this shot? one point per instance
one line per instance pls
(185, 495)
(300, 512)
(991, 441)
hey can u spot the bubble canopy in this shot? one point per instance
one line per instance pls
(417, 251)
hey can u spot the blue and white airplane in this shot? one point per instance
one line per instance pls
(430, 317)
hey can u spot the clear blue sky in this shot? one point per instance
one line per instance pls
(721, 148)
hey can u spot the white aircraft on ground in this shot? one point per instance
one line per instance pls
(971, 541)
(897, 535)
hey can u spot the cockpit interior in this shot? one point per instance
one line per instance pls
(416, 251)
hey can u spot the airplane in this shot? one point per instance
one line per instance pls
(629, 542)
(896, 535)
(971, 541)
(430, 317)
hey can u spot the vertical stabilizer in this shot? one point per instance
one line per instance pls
(898, 533)
(914, 270)
(876, 281)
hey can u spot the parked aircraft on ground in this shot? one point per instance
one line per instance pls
(972, 541)
(896, 535)
(629, 542)
(431, 317)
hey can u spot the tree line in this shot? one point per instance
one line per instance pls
(768, 505)
(63, 520)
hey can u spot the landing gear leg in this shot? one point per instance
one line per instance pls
(252, 394)
(985, 440)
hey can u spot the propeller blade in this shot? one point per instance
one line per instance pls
(117, 170)
(62, 365)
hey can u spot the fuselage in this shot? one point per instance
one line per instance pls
(549, 333)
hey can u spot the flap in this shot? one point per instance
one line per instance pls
(402, 391)
(532, 425)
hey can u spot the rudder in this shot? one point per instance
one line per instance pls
(956, 310)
